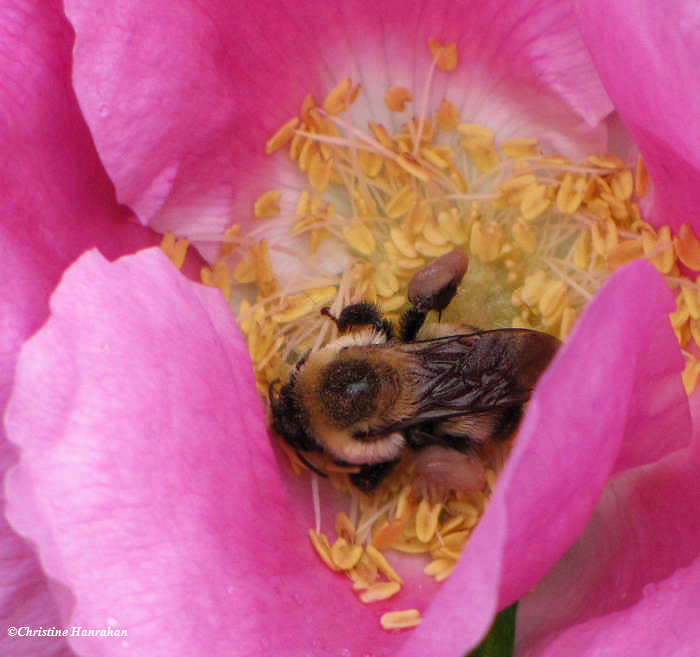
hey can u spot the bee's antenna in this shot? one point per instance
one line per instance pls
(326, 312)
(311, 467)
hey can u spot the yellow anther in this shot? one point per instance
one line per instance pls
(388, 533)
(427, 519)
(695, 330)
(618, 208)
(297, 143)
(175, 249)
(385, 281)
(320, 172)
(569, 197)
(553, 295)
(622, 184)
(679, 316)
(458, 180)
(524, 237)
(485, 241)
(568, 319)
(244, 271)
(370, 163)
(379, 560)
(604, 237)
(380, 134)
(447, 116)
(359, 237)
(407, 163)
(401, 203)
(452, 225)
(474, 134)
(392, 303)
(607, 161)
(306, 106)
(303, 204)
(519, 148)
(624, 252)
(341, 97)
(433, 234)
(380, 591)
(399, 620)
(687, 247)
(432, 155)
(282, 137)
(402, 502)
(439, 566)
(659, 248)
(532, 287)
(264, 276)
(402, 243)
(691, 372)
(296, 306)
(429, 250)
(641, 178)
(534, 201)
(323, 548)
(344, 527)
(345, 555)
(396, 98)
(306, 153)
(219, 277)
(268, 204)
(445, 55)
(599, 208)
(514, 189)
(690, 297)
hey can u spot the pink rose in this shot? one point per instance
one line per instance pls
(142, 491)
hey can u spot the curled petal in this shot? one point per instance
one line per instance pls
(647, 56)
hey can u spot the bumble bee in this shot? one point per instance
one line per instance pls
(441, 390)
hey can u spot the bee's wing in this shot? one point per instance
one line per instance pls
(477, 372)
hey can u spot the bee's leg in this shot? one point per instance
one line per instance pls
(371, 475)
(410, 323)
(432, 288)
(360, 314)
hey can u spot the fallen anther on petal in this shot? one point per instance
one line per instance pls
(399, 620)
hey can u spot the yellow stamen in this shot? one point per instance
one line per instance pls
(380, 591)
(445, 55)
(282, 137)
(396, 98)
(268, 205)
(175, 249)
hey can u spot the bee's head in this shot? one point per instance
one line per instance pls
(288, 417)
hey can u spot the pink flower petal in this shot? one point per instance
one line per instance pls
(181, 101)
(56, 202)
(583, 417)
(631, 583)
(647, 54)
(139, 387)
